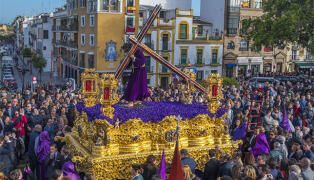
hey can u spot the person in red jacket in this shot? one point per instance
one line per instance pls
(20, 127)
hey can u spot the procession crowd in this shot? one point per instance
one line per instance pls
(29, 121)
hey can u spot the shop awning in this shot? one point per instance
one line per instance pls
(231, 65)
(305, 64)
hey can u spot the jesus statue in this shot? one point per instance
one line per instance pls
(136, 90)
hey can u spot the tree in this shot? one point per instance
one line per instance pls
(27, 52)
(283, 22)
(39, 63)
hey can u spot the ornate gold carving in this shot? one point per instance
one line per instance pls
(90, 87)
(109, 96)
(107, 150)
(214, 92)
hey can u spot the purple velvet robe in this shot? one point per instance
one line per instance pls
(239, 132)
(69, 170)
(261, 145)
(136, 89)
(285, 121)
(42, 151)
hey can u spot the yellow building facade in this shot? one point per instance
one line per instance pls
(102, 28)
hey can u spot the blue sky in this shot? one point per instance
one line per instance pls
(9, 9)
(196, 7)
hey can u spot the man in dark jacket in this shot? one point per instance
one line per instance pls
(9, 125)
(225, 168)
(5, 148)
(211, 167)
(187, 160)
(31, 146)
(36, 119)
(54, 160)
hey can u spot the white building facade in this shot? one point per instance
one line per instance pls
(195, 47)
(185, 41)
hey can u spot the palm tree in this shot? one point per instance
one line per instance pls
(39, 63)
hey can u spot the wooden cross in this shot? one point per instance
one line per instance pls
(137, 44)
(139, 38)
(164, 62)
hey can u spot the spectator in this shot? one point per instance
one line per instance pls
(237, 171)
(16, 174)
(187, 160)
(31, 146)
(69, 170)
(268, 121)
(149, 167)
(136, 172)
(211, 167)
(307, 172)
(53, 161)
(276, 153)
(249, 172)
(65, 152)
(187, 173)
(57, 175)
(42, 147)
(295, 173)
(225, 168)
(5, 148)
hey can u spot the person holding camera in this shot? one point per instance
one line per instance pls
(6, 147)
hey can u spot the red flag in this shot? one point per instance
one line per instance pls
(176, 172)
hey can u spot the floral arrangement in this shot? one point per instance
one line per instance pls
(151, 112)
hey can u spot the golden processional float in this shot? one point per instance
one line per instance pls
(105, 146)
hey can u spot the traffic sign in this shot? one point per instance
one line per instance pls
(34, 82)
(34, 78)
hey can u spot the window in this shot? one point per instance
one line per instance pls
(130, 6)
(232, 25)
(92, 39)
(184, 55)
(244, 46)
(82, 21)
(75, 4)
(233, 5)
(213, 71)
(308, 55)
(83, 39)
(162, 14)
(258, 4)
(46, 34)
(147, 64)
(214, 56)
(141, 14)
(245, 3)
(294, 54)
(165, 39)
(200, 30)
(92, 5)
(230, 45)
(130, 24)
(83, 3)
(110, 5)
(82, 60)
(148, 40)
(199, 54)
(183, 31)
(199, 75)
(91, 61)
(91, 20)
